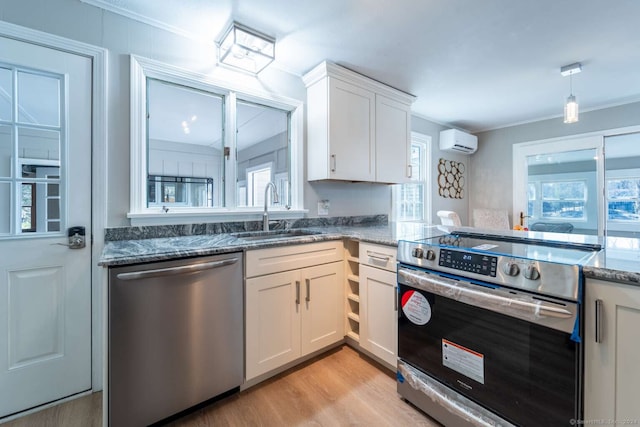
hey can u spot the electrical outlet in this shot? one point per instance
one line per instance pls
(323, 207)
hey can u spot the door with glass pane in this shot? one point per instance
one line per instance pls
(45, 188)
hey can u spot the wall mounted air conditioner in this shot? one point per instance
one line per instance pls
(457, 141)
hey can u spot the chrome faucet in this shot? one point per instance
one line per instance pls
(274, 199)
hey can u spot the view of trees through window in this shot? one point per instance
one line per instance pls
(564, 199)
(623, 199)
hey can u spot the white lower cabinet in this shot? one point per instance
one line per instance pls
(272, 322)
(378, 302)
(612, 352)
(292, 313)
(379, 313)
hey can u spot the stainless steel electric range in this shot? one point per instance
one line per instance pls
(490, 329)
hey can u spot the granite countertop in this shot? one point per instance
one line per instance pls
(135, 251)
(618, 261)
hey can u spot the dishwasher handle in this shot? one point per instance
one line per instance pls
(172, 271)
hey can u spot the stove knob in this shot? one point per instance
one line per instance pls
(417, 252)
(431, 255)
(511, 268)
(532, 272)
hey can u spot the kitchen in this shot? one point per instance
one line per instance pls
(491, 164)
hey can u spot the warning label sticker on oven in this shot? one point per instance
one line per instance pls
(416, 307)
(467, 362)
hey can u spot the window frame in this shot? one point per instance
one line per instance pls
(140, 214)
(425, 142)
(542, 199)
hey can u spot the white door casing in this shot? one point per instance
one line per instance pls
(45, 288)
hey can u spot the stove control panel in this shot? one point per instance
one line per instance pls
(468, 261)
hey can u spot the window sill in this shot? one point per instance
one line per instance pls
(177, 216)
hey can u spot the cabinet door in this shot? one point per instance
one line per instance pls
(611, 365)
(393, 140)
(379, 313)
(272, 322)
(351, 132)
(322, 306)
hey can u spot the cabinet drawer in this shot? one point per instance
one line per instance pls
(266, 261)
(378, 256)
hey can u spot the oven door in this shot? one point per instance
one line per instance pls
(508, 351)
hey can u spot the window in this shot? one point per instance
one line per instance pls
(32, 134)
(28, 212)
(623, 199)
(262, 141)
(204, 149)
(410, 200)
(184, 146)
(257, 180)
(564, 199)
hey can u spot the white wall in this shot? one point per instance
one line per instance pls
(491, 176)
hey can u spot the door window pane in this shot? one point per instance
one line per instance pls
(28, 214)
(6, 94)
(38, 144)
(38, 99)
(185, 144)
(6, 151)
(263, 152)
(33, 168)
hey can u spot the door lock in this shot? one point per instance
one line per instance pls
(76, 238)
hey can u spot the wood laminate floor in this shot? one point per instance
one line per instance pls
(340, 388)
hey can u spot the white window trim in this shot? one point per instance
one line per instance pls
(139, 213)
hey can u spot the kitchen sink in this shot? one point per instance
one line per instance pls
(274, 234)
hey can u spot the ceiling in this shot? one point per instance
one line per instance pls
(472, 64)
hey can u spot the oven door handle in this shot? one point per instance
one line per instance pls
(521, 306)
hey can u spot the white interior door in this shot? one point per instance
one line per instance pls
(45, 188)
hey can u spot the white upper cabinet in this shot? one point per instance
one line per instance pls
(357, 129)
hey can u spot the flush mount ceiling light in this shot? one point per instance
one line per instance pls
(571, 106)
(246, 49)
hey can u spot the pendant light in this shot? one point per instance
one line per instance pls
(571, 106)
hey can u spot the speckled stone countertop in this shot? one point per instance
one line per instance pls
(619, 260)
(136, 251)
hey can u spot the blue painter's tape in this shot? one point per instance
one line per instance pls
(575, 335)
(399, 377)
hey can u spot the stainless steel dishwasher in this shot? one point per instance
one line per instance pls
(175, 336)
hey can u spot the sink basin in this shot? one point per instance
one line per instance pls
(274, 234)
